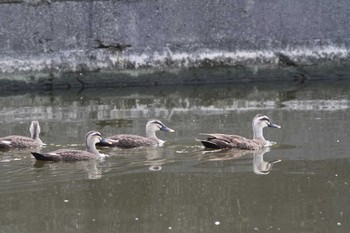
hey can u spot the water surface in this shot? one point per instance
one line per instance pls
(181, 187)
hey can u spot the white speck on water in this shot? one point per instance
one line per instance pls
(93, 220)
(217, 223)
(337, 140)
(339, 223)
(256, 229)
(136, 219)
(170, 228)
(66, 201)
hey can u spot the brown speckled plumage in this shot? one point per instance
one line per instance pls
(69, 155)
(22, 142)
(131, 141)
(221, 141)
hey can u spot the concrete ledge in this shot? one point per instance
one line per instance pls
(172, 76)
(141, 37)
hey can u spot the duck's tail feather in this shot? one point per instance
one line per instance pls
(209, 144)
(39, 156)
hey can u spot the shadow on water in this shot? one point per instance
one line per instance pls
(299, 185)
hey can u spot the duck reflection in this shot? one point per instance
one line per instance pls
(155, 159)
(260, 166)
(225, 154)
(89, 167)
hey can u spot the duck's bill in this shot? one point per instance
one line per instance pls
(105, 141)
(166, 129)
(272, 125)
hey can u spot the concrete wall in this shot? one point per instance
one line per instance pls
(55, 36)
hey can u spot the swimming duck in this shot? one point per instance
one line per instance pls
(221, 141)
(91, 152)
(22, 142)
(131, 141)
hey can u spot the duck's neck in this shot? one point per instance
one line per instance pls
(91, 147)
(151, 134)
(258, 134)
(35, 135)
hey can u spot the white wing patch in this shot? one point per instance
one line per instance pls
(54, 154)
(6, 142)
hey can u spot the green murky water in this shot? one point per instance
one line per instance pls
(181, 187)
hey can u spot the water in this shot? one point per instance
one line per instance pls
(181, 187)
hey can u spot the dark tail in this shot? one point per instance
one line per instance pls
(40, 156)
(209, 144)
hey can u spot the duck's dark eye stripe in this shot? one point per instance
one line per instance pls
(265, 119)
(157, 122)
(94, 134)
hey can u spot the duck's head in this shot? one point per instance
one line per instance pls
(262, 121)
(94, 137)
(156, 125)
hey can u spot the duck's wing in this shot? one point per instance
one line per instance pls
(221, 141)
(64, 155)
(130, 141)
(16, 141)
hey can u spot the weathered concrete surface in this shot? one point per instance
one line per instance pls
(129, 40)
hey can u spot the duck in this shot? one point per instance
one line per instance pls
(225, 141)
(22, 142)
(70, 155)
(132, 141)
